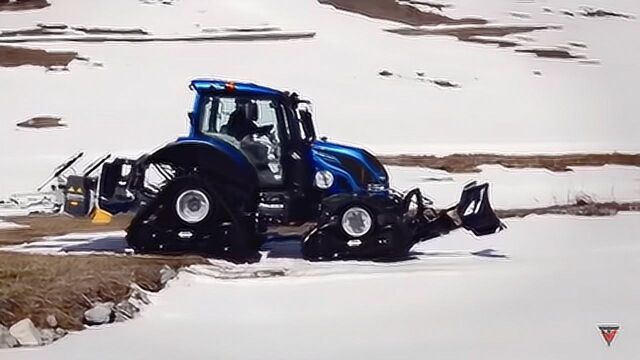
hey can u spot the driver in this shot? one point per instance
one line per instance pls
(239, 124)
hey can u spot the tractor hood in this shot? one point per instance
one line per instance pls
(353, 167)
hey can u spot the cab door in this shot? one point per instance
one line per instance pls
(298, 166)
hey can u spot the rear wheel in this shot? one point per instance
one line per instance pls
(189, 215)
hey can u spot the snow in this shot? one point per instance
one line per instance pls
(525, 188)
(560, 278)
(535, 291)
(509, 189)
(140, 96)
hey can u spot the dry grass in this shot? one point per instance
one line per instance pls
(464, 163)
(35, 286)
(40, 226)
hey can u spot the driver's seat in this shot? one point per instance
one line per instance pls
(239, 125)
(261, 153)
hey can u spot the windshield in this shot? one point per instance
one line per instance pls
(238, 117)
(251, 125)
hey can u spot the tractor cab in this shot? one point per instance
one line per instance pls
(272, 129)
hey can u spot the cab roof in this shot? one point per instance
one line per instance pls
(214, 85)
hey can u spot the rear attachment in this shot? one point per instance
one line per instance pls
(387, 226)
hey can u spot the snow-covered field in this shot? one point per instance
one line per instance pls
(138, 99)
(540, 296)
(535, 291)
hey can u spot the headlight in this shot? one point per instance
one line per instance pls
(356, 221)
(323, 179)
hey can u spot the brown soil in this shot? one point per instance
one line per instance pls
(19, 5)
(484, 34)
(398, 12)
(39, 122)
(35, 286)
(604, 13)
(29, 32)
(111, 37)
(464, 163)
(551, 53)
(431, 4)
(12, 56)
(105, 30)
(40, 226)
(63, 29)
(478, 30)
(579, 209)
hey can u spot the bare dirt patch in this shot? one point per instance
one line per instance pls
(20, 5)
(552, 53)
(13, 56)
(40, 122)
(431, 4)
(108, 30)
(577, 209)
(590, 12)
(44, 29)
(475, 30)
(465, 163)
(39, 226)
(34, 286)
(398, 12)
(484, 34)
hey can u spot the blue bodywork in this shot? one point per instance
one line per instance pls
(351, 166)
(335, 158)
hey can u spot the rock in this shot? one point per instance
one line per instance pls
(125, 310)
(138, 296)
(26, 333)
(52, 321)
(51, 335)
(100, 313)
(48, 336)
(166, 274)
(385, 73)
(6, 339)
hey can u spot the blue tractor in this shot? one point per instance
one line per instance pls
(252, 165)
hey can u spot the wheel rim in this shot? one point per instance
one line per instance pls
(356, 221)
(192, 206)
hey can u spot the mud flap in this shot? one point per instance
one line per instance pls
(474, 211)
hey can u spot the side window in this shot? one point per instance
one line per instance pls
(208, 124)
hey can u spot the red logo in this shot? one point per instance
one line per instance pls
(609, 332)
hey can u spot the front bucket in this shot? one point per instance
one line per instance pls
(475, 211)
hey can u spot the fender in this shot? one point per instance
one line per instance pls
(221, 163)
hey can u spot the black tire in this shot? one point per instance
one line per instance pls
(224, 232)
